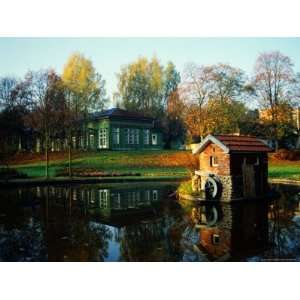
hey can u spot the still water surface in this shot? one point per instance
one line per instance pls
(143, 222)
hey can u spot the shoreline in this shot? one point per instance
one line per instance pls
(117, 179)
(87, 180)
(284, 181)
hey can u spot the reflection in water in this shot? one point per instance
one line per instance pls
(142, 223)
(231, 230)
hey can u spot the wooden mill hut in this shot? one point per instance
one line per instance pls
(232, 167)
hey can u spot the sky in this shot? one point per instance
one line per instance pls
(18, 55)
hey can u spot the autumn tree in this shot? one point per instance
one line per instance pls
(48, 100)
(148, 87)
(225, 117)
(273, 81)
(212, 95)
(174, 127)
(7, 89)
(85, 87)
(172, 119)
(171, 81)
(15, 93)
(195, 91)
(282, 113)
(227, 83)
(14, 105)
(85, 92)
(145, 86)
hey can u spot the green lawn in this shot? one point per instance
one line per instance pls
(143, 162)
(285, 171)
(147, 163)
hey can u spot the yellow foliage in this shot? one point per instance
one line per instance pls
(280, 114)
(79, 74)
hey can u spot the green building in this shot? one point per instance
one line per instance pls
(118, 129)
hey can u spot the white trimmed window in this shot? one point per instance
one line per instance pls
(74, 141)
(81, 142)
(214, 161)
(137, 136)
(92, 200)
(154, 139)
(148, 196)
(146, 136)
(117, 202)
(103, 198)
(131, 200)
(154, 195)
(127, 135)
(103, 138)
(92, 140)
(132, 136)
(116, 136)
(74, 195)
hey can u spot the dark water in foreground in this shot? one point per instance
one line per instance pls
(137, 222)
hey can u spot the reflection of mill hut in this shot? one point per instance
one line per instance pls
(234, 229)
(232, 167)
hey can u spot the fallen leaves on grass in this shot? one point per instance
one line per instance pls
(82, 172)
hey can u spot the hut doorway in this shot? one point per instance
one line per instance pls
(249, 180)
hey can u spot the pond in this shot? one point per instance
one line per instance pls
(144, 222)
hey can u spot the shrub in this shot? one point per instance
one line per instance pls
(285, 154)
(185, 188)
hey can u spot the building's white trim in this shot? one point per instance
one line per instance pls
(212, 139)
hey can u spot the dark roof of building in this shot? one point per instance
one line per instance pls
(118, 112)
(235, 143)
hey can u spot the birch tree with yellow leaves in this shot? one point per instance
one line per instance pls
(145, 85)
(85, 92)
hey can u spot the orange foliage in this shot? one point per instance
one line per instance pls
(281, 113)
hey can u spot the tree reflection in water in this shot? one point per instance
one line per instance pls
(284, 227)
(141, 223)
(21, 234)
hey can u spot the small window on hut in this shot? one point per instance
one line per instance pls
(213, 161)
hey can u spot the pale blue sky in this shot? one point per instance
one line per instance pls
(18, 55)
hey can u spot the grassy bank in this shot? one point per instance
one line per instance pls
(285, 170)
(146, 163)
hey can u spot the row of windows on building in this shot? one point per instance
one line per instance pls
(134, 199)
(132, 137)
(131, 199)
(103, 194)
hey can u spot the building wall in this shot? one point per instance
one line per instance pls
(123, 144)
(260, 164)
(223, 167)
(229, 171)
